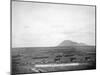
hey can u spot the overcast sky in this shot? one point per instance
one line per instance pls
(42, 24)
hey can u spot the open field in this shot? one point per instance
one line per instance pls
(50, 59)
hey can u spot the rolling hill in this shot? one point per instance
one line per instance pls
(71, 43)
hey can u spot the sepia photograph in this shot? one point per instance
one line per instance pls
(52, 37)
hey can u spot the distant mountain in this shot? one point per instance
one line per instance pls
(71, 43)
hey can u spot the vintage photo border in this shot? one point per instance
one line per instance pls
(51, 3)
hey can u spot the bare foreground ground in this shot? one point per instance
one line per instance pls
(30, 60)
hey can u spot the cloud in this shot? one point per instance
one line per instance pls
(41, 24)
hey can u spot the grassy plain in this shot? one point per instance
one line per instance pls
(24, 59)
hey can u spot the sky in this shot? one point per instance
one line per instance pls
(45, 25)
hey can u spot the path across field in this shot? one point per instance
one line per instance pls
(58, 65)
